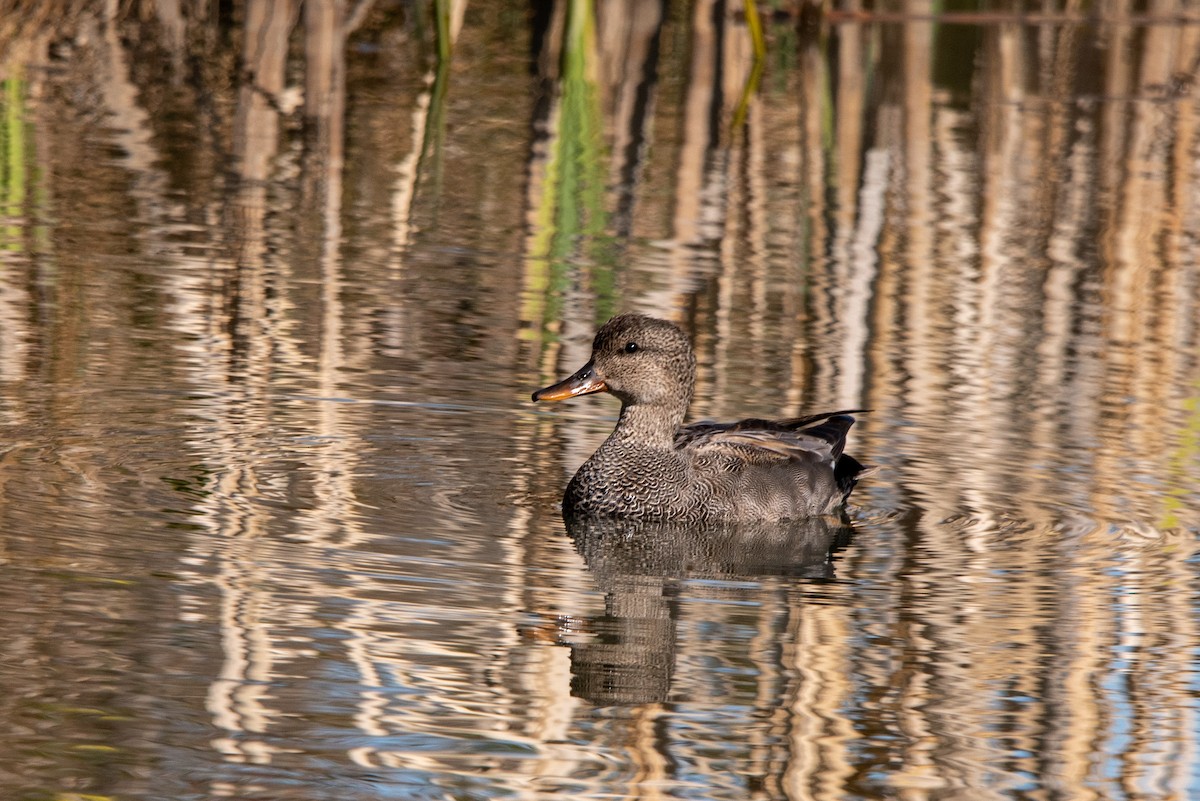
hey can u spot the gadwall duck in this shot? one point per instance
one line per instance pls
(653, 467)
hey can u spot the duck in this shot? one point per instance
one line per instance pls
(653, 467)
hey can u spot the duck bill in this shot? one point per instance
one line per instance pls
(584, 382)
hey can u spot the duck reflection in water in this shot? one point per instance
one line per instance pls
(645, 568)
(652, 467)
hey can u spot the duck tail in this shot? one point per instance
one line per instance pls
(848, 471)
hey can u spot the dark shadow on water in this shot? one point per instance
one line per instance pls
(644, 568)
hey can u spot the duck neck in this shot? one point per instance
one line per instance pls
(649, 425)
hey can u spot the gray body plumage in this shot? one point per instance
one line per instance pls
(654, 468)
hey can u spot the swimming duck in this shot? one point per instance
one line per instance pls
(653, 467)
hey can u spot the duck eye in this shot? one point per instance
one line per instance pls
(631, 347)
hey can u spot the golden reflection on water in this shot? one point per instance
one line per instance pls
(275, 284)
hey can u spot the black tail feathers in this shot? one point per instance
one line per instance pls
(848, 471)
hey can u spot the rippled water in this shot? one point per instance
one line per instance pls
(278, 520)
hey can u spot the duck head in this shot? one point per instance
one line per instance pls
(642, 360)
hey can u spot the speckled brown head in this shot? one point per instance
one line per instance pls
(642, 360)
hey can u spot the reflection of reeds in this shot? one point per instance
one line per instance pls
(14, 186)
(13, 171)
(759, 49)
(567, 229)
(1001, 266)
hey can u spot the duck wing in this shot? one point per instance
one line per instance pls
(820, 436)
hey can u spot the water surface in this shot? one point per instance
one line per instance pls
(278, 520)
